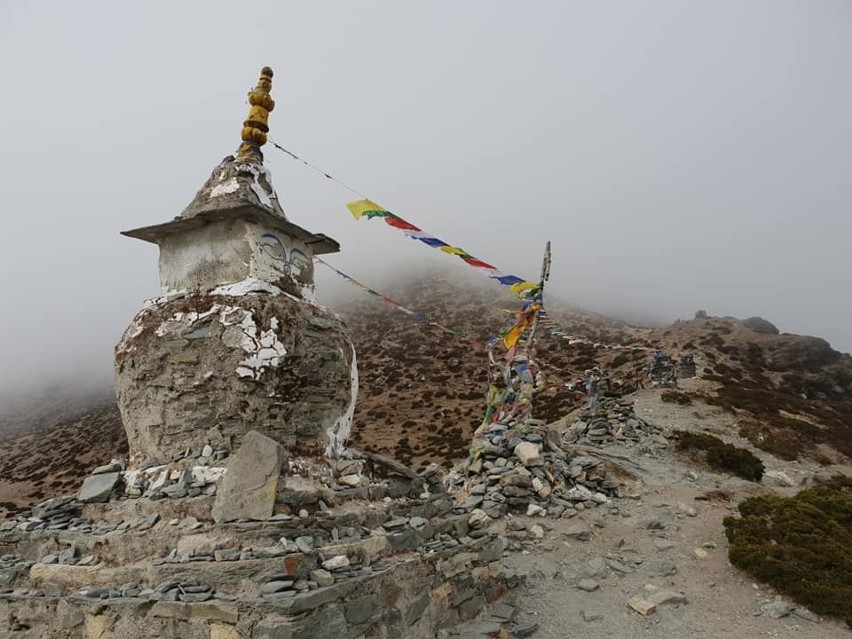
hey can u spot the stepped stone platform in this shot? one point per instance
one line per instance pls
(358, 547)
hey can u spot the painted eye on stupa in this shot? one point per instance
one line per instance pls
(273, 247)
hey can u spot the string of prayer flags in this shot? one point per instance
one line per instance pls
(418, 317)
(555, 331)
(369, 210)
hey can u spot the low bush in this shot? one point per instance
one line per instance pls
(800, 545)
(720, 455)
(676, 397)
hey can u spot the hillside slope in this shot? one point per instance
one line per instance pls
(422, 391)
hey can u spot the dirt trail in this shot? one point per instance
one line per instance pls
(659, 538)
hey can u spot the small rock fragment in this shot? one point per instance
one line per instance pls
(642, 606)
(589, 585)
(578, 531)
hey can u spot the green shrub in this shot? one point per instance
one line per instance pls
(800, 545)
(720, 455)
(620, 359)
(783, 443)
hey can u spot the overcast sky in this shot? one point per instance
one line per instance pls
(680, 155)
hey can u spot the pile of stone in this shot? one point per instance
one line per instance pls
(69, 557)
(662, 370)
(528, 473)
(61, 513)
(686, 367)
(612, 420)
(33, 521)
(156, 481)
(204, 456)
(11, 568)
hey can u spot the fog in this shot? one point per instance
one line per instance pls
(680, 155)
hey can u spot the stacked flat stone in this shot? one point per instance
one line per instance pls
(686, 367)
(612, 420)
(662, 370)
(326, 572)
(529, 473)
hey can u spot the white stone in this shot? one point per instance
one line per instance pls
(158, 483)
(778, 478)
(350, 480)
(340, 561)
(533, 510)
(207, 474)
(528, 454)
(478, 518)
(686, 509)
(578, 493)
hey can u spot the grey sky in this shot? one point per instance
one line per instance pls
(680, 155)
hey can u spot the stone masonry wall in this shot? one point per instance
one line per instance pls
(206, 369)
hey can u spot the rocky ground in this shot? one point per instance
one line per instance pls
(663, 541)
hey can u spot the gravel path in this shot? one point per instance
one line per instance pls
(658, 539)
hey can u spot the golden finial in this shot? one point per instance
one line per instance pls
(256, 125)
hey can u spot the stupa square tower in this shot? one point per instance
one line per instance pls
(236, 342)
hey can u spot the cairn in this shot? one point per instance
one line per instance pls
(686, 367)
(662, 370)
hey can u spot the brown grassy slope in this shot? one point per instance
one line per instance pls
(48, 463)
(792, 393)
(422, 392)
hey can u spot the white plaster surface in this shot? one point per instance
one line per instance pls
(338, 433)
(223, 188)
(263, 347)
(246, 286)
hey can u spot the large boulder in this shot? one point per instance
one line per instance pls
(207, 368)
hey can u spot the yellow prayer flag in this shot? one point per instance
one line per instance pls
(359, 207)
(521, 286)
(511, 338)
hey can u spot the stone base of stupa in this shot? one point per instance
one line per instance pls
(348, 548)
(202, 370)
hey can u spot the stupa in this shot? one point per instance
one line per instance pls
(237, 341)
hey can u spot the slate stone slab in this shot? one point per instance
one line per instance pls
(98, 488)
(249, 487)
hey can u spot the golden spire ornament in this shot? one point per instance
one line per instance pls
(256, 125)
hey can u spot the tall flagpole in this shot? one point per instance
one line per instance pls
(539, 303)
(512, 379)
(539, 298)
